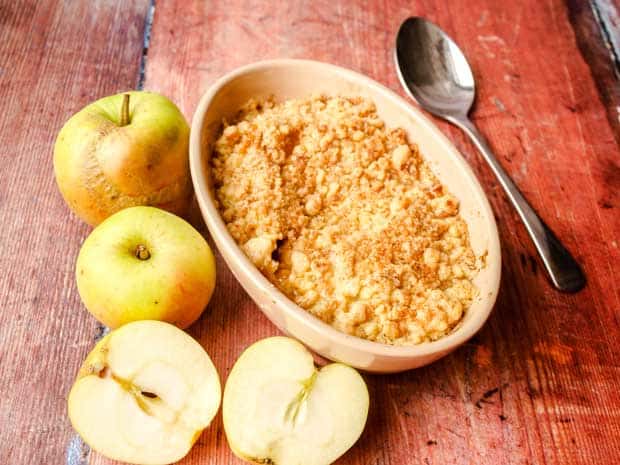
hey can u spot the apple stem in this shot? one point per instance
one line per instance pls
(142, 253)
(125, 111)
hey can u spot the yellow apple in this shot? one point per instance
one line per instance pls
(280, 409)
(144, 263)
(144, 394)
(121, 151)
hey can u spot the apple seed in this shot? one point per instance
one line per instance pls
(103, 372)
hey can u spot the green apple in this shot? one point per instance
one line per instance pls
(144, 263)
(144, 394)
(278, 408)
(121, 151)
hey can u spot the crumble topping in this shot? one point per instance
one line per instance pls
(345, 217)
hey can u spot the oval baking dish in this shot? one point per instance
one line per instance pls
(286, 79)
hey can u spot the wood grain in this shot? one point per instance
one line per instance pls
(593, 28)
(538, 385)
(54, 58)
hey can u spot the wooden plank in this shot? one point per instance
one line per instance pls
(606, 12)
(54, 58)
(538, 384)
(595, 24)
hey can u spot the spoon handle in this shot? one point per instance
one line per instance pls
(563, 269)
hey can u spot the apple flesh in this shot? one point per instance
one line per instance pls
(144, 263)
(144, 394)
(121, 151)
(279, 408)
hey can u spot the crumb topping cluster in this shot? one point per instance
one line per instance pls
(345, 217)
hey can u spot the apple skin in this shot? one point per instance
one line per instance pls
(174, 284)
(102, 167)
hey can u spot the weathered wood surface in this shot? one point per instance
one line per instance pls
(596, 25)
(538, 385)
(55, 57)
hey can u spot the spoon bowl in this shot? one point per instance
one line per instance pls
(433, 70)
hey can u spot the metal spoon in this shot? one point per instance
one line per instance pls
(435, 73)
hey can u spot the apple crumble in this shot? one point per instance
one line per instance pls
(345, 217)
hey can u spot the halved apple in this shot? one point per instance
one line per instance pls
(280, 409)
(144, 394)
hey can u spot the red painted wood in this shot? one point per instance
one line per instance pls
(592, 33)
(55, 57)
(538, 385)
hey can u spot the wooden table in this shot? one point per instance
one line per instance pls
(538, 385)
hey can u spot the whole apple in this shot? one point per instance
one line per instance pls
(121, 151)
(144, 263)
(144, 394)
